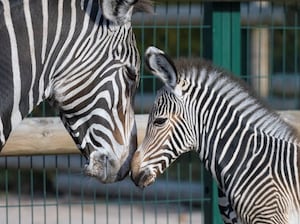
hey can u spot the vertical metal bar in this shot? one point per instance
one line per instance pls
(32, 190)
(154, 87)
(227, 36)
(19, 190)
(207, 36)
(178, 193)
(190, 31)
(6, 189)
(82, 198)
(167, 28)
(167, 197)
(248, 45)
(284, 39)
(144, 207)
(296, 41)
(142, 64)
(69, 191)
(56, 191)
(131, 205)
(207, 53)
(94, 205)
(107, 204)
(235, 39)
(226, 52)
(156, 208)
(44, 189)
(272, 45)
(119, 204)
(190, 192)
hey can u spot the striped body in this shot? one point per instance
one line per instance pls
(251, 153)
(68, 52)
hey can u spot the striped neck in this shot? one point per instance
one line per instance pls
(231, 123)
(218, 94)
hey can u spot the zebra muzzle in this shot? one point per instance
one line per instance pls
(100, 166)
(144, 178)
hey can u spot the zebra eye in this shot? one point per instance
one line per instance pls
(159, 121)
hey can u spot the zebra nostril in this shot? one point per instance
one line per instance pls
(103, 157)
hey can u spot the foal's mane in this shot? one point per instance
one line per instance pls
(186, 67)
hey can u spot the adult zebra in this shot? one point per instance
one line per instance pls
(251, 153)
(82, 60)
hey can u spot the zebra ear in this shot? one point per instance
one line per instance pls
(161, 66)
(118, 11)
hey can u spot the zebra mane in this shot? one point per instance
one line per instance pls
(193, 71)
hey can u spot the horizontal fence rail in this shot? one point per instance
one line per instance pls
(47, 135)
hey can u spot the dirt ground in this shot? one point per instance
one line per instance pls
(64, 211)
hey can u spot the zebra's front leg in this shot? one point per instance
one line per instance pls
(228, 214)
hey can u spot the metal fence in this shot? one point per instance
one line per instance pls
(258, 41)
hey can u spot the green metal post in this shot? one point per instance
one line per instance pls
(226, 34)
(222, 44)
(225, 51)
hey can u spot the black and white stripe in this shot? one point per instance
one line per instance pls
(82, 60)
(251, 153)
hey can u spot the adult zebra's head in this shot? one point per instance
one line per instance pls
(169, 131)
(94, 91)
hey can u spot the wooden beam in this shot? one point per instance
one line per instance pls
(47, 135)
(40, 136)
(292, 117)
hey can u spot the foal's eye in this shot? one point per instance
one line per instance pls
(159, 121)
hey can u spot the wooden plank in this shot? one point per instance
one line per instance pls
(41, 136)
(292, 117)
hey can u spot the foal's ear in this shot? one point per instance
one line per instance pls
(161, 66)
(118, 11)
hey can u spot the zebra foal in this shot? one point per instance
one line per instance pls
(81, 55)
(251, 153)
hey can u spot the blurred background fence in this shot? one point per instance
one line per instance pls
(258, 41)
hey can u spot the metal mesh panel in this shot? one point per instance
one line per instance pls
(52, 188)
